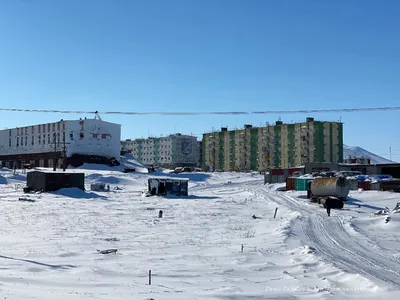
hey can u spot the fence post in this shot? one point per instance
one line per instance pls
(242, 248)
(276, 210)
(149, 277)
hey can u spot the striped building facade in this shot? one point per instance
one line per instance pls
(175, 150)
(274, 146)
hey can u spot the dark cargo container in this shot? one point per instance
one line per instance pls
(52, 181)
(168, 185)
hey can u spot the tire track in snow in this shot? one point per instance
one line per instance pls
(331, 239)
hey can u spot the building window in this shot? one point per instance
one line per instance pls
(39, 128)
(40, 139)
(17, 141)
(81, 135)
(26, 141)
(44, 139)
(58, 137)
(48, 138)
(33, 140)
(9, 143)
(58, 126)
(33, 129)
(71, 136)
(54, 127)
(95, 135)
(48, 127)
(44, 128)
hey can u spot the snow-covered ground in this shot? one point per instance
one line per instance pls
(49, 247)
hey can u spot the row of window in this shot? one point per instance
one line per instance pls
(161, 159)
(51, 127)
(151, 153)
(23, 141)
(152, 147)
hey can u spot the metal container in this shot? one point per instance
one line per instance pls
(375, 186)
(302, 183)
(353, 183)
(337, 187)
(365, 185)
(290, 183)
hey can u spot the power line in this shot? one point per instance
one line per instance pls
(303, 111)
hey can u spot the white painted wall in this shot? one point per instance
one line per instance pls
(30, 139)
(93, 137)
(47, 137)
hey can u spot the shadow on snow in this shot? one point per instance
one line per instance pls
(195, 177)
(63, 267)
(79, 194)
(356, 202)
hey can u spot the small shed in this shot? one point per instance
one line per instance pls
(168, 185)
(53, 181)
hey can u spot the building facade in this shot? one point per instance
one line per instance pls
(357, 160)
(172, 151)
(54, 144)
(273, 146)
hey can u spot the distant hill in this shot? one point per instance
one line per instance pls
(358, 151)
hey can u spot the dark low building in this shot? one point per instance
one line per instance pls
(392, 169)
(168, 185)
(53, 181)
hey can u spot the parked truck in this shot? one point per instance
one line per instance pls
(332, 189)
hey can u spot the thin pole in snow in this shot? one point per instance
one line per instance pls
(242, 248)
(276, 210)
(149, 277)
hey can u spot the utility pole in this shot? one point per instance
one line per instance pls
(57, 152)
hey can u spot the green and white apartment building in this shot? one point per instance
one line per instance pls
(172, 151)
(273, 146)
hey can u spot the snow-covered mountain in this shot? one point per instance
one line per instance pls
(358, 151)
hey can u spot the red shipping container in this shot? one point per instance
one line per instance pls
(277, 172)
(290, 183)
(366, 185)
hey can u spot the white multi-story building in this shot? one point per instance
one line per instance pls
(172, 151)
(47, 144)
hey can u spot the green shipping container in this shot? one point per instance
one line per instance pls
(301, 184)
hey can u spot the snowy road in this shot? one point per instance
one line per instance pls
(331, 240)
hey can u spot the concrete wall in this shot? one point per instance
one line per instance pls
(39, 142)
(31, 139)
(92, 137)
(169, 151)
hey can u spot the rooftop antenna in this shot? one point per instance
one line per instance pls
(96, 113)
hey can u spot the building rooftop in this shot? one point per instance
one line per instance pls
(170, 178)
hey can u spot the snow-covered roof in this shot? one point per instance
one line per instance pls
(170, 178)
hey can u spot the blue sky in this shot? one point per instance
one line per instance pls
(209, 55)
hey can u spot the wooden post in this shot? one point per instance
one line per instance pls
(242, 248)
(149, 277)
(276, 210)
